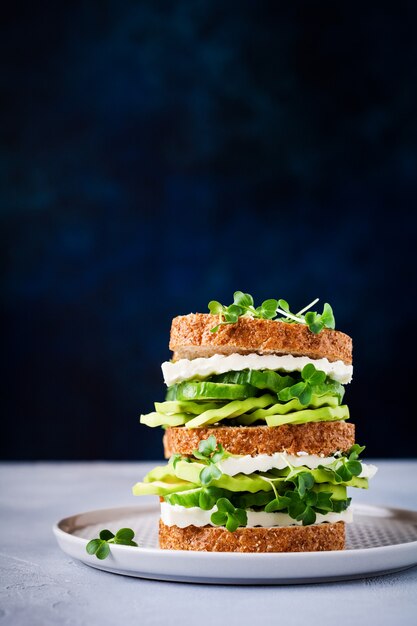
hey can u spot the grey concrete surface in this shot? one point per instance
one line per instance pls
(41, 586)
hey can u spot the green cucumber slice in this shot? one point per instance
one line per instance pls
(188, 499)
(171, 393)
(267, 379)
(230, 410)
(330, 387)
(195, 497)
(202, 390)
(246, 500)
(243, 501)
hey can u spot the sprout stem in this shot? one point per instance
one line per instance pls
(291, 316)
(308, 306)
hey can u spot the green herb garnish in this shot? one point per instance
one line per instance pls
(243, 306)
(303, 503)
(227, 515)
(100, 546)
(211, 453)
(317, 322)
(347, 466)
(175, 458)
(303, 390)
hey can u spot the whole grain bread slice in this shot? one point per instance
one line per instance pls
(321, 438)
(315, 538)
(191, 338)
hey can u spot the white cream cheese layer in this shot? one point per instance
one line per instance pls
(219, 364)
(176, 515)
(233, 465)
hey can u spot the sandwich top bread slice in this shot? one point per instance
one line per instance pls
(260, 452)
(191, 337)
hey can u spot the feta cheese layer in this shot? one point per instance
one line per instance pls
(219, 364)
(247, 464)
(176, 515)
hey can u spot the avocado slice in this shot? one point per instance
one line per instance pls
(322, 414)
(158, 419)
(230, 410)
(166, 473)
(339, 492)
(175, 406)
(240, 482)
(161, 488)
(287, 407)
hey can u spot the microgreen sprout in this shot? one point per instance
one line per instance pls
(175, 458)
(303, 390)
(211, 453)
(227, 515)
(243, 306)
(317, 322)
(346, 467)
(100, 546)
(306, 308)
(350, 466)
(271, 482)
(302, 502)
(279, 503)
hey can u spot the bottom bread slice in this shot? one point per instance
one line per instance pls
(315, 538)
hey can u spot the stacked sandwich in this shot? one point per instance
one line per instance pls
(260, 452)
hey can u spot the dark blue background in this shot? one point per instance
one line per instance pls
(159, 155)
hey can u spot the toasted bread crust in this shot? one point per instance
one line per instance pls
(316, 538)
(191, 338)
(314, 438)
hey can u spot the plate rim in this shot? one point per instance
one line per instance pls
(76, 540)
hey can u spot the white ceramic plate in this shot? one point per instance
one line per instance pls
(379, 541)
